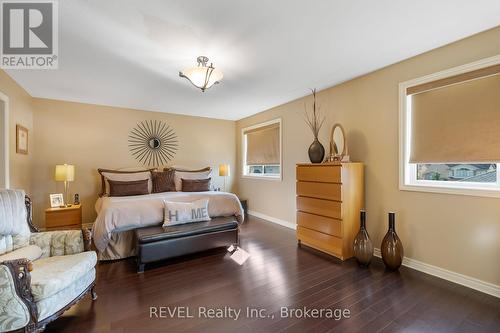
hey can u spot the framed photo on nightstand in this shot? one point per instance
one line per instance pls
(56, 200)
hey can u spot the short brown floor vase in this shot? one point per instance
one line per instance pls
(363, 246)
(392, 248)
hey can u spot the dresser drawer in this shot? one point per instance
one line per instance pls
(320, 190)
(322, 224)
(320, 241)
(67, 218)
(325, 174)
(319, 207)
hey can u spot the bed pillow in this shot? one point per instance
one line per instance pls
(195, 185)
(120, 175)
(128, 188)
(163, 181)
(185, 212)
(190, 174)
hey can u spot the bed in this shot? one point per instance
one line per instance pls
(118, 216)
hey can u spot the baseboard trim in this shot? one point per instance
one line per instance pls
(464, 280)
(268, 218)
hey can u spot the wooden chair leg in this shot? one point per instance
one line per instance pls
(93, 293)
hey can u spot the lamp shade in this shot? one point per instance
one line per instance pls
(64, 173)
(202, 76)
(224, 170)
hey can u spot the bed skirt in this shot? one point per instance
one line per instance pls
(121, 246)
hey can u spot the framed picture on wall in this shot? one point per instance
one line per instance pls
(21, 140)
(56, 200)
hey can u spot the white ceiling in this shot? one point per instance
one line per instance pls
(128, 53)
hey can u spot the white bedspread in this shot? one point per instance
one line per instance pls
(115, 214)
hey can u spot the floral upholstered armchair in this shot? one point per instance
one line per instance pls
(42, 274)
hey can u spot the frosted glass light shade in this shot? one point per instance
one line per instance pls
(64, 173)
(224, 170)
(202, 76)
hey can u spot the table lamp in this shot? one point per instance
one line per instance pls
(65, 173)
(224, 172)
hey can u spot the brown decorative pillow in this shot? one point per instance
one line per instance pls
(163, 181)
(195, 185)
(126, 188)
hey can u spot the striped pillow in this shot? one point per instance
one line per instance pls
(163, 181)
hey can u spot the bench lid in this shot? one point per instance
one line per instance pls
(159, 233)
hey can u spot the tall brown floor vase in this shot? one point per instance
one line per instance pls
(363, 246)
(392, 248)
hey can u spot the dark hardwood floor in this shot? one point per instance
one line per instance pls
(278, 274)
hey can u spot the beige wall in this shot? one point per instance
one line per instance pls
(458, 233)
(20, 112)
(91, 137)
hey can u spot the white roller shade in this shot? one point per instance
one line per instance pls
(263, 145)
(457, 122)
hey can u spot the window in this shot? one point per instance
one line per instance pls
(474, 173)
(450, 131)
(262, 150)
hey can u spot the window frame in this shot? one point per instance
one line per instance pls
(408, 171)
(244, 149)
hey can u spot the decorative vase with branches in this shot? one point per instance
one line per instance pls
(315, 121)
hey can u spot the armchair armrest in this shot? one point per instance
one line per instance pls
(62, 242)
(17, 305)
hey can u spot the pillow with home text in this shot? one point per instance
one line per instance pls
(185, 212)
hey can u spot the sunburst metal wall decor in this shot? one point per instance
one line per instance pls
(153, 142)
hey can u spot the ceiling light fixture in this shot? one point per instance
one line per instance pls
(202, 76)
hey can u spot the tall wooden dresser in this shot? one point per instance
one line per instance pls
(329, 198)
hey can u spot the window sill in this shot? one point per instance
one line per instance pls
(443, 189)
(272, 178)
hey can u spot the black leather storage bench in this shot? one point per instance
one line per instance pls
(158, 243)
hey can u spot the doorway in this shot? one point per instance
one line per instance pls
(4, 141)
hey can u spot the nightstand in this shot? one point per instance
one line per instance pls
(244, 205)
(63, 218)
